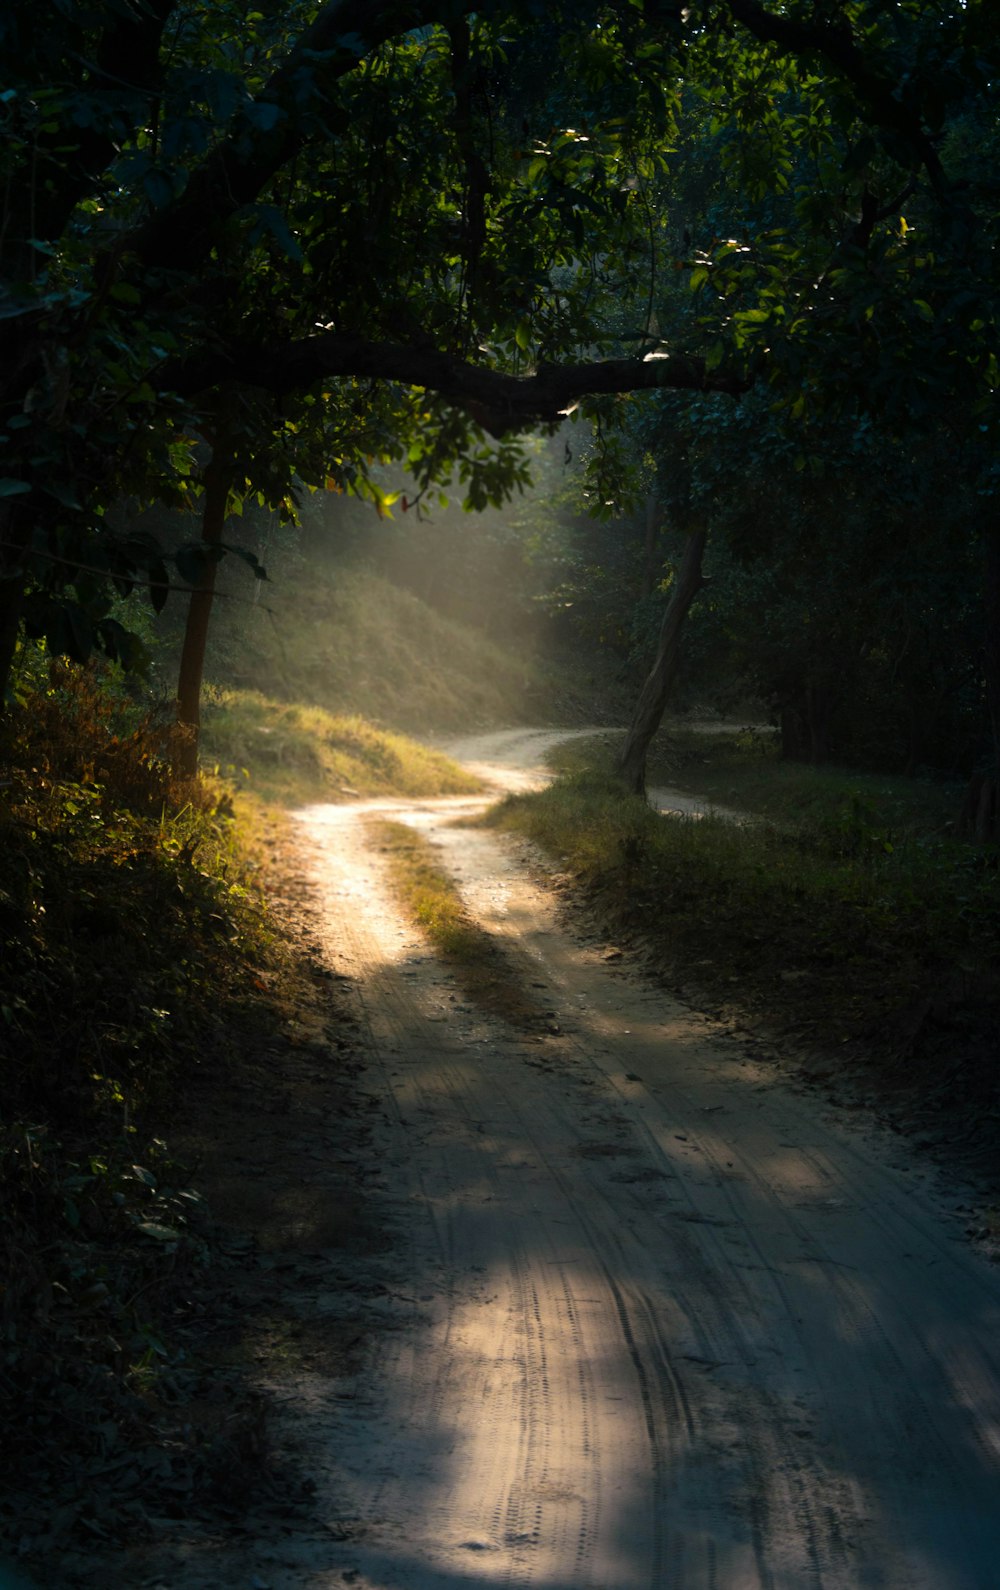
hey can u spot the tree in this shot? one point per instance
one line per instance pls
(313, 200)
(182, 211)
(655, 693)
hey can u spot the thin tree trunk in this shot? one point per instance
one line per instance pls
(981, 811)
(13, 539)
(218, 479)
(655, 693)
(650, 562)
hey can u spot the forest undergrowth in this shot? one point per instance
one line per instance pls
(846, 916)
(134, 946)
(144, 978)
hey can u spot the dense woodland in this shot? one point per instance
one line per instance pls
(228, 278)
(654, 342)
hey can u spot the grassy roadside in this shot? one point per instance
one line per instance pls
(478, 961)
(143, 972)
(845, 916)
(301, 753)
(742, 767)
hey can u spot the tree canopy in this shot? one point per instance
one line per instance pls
(403, 227)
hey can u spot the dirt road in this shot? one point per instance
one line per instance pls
(672, 1324)
(654, 1318)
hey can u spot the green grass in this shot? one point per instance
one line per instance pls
(743, 769)
(293, 754)
(480, 963)
(838, 918)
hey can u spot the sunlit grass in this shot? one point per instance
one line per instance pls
(427, 892)
(293, 754)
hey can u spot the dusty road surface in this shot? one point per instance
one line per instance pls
(654, 1318)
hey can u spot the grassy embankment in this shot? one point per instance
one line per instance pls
(304, 685)
(303, 753)
(140, 964)
(846, 912)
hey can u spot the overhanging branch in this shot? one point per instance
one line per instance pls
(498, 402)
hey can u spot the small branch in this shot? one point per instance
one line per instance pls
(477, 182)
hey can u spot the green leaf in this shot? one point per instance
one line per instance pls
(153, 1228)
(270, 219)
(250, 559)
(13, 488)
(62, 493)
(191, 562)
(159, 188)
(263, 114)
(159, 585)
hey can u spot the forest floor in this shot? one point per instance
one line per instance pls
(609, 1294)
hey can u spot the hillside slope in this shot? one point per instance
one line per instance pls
(347, 639)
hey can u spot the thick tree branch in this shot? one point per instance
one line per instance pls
(498, 402)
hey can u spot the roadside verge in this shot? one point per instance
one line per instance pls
(834, 944)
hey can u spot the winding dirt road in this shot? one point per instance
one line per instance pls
(667, 1322)
(654, 1318)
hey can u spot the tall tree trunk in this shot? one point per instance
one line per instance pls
(14, 534)
(981, 811)
(218, 479)
(655, 693)
(651, 564)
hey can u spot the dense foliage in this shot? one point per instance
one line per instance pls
(131, 939)
(312, 235)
